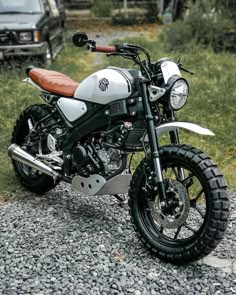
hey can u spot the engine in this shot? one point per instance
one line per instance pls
(88, 159)
(106, 153)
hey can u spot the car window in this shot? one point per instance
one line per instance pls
(20, 6)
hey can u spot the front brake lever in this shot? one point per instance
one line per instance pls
(120, 54)
(113, 53)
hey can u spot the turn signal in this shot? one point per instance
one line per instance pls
(37, 36)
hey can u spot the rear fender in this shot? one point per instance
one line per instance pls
(31, 82)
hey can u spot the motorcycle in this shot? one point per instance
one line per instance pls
(86, 133)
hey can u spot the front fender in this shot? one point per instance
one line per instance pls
(167, 127)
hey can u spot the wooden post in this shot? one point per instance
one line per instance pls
(160, 6)
(125, 8)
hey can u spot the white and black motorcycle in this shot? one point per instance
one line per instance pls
(85, 132)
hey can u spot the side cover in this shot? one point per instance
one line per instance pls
(104, 86)
(71, 108)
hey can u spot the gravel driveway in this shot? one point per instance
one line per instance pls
(64, 243)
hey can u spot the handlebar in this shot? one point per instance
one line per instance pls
(129, 51)
(103, 48)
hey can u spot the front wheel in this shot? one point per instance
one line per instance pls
(195, 219)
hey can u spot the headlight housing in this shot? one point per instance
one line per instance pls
(25, 36)
(178, 94)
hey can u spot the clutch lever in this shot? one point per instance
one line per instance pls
(185, 70)
(179, 63)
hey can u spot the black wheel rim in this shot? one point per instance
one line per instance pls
(199, 207)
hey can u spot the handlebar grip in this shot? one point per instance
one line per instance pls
(105, 49)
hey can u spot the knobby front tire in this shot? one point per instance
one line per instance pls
(209, 206)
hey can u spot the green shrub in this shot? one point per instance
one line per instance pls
(102, 8)
(152, 12)
(203, 26)
(131, 19)
(228, 7)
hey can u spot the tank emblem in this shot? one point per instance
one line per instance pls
(103, 84)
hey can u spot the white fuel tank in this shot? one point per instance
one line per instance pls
(104, 86)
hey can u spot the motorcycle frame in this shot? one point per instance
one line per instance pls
(84, 126)
(81, 129)
(98, 113)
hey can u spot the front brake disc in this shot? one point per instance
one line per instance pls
(178, 214)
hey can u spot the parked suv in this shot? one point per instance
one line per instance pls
(31, 28)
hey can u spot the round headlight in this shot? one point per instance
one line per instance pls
(178, 94)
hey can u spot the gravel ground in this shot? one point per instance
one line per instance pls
(64, 243)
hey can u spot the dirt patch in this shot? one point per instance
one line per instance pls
(3, 199)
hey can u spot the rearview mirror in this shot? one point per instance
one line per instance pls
(80, 39)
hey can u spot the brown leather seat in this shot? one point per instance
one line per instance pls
(52, 81)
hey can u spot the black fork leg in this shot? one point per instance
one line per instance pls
(153, 141)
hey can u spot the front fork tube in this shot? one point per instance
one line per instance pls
(153, 141)
(174, 139)
(174, 134)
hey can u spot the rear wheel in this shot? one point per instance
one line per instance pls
(195, 219)
(30, 178)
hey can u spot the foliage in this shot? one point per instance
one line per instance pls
(228, 6)
(137, 16)
(202, 26)
(152, 12)
(102, 8)
(129, 20)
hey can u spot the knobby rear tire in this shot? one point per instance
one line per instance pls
(211, 231)
(40, 183)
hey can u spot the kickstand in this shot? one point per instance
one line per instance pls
(122, 200)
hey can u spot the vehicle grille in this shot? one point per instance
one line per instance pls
(8, 38)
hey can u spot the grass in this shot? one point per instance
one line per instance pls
(211, 103)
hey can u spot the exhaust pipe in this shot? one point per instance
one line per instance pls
(18, 154)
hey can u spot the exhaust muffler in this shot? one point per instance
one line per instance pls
(18, 154)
